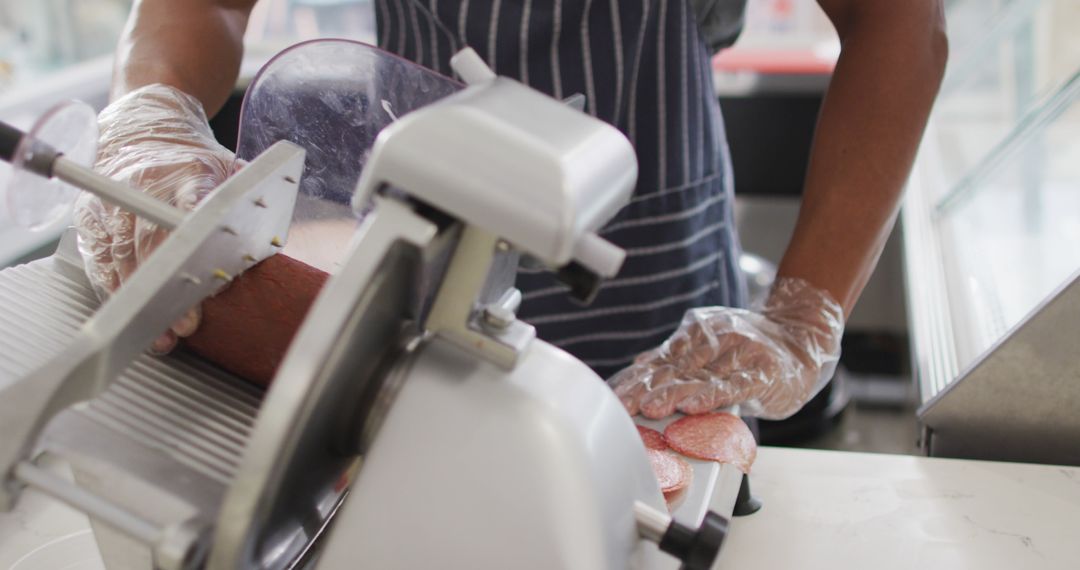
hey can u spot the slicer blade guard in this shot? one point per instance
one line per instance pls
(331, 97)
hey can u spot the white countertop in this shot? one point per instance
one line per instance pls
(41, 533)
(822, 510)
(843, 510)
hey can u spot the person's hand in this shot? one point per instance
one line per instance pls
(769, 362)
(156, 139)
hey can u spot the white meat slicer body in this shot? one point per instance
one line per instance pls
(533, 468)
(499, 450)
(479, 445)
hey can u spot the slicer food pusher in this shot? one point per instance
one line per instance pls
(42, 398)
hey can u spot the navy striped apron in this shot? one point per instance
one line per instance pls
(643, 68)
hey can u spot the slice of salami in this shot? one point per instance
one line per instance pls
(652, 438)
(675, 498)
(672, 472)
(718, 436)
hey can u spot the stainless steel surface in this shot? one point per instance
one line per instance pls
(329, 383)
(160, 444)
(1018, 402)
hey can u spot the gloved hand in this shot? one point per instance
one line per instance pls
(770, 362)
(156, 139)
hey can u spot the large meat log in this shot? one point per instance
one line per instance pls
(247, 328)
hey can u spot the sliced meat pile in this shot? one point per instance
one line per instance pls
(672, 472)
(717, 436)
(652, 438)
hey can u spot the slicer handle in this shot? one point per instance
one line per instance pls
(9, 140)
(696, 548)
(40, 160)
(44, 160)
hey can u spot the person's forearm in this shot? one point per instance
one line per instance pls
(873, 116)
(193, 45)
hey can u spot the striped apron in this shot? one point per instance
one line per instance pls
(643, 68)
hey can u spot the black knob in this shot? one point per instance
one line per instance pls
(583, 283)
(746, 503)
(9, 140)
(696, 548)
(38, 157)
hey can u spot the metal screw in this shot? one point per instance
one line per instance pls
(249, 258)
(260, 202)
(290, 180)
(498, 317)
(276, 241)
(228, 230)
(220, 274)
(190, 279)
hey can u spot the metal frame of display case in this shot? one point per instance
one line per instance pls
(1018, 399)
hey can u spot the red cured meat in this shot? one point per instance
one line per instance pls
(718, 437)
(247, 328)
(675, 498)
(652, 438)
(672, 472)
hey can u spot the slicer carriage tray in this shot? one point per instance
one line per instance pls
(164, 440)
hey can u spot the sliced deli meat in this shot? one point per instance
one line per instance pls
(652, 438)
(672, 472)
(717, 436)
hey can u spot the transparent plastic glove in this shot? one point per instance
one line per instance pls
(769, 362)
(156, 139)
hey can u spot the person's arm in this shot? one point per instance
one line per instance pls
(891, 64)
(176, 63)
(771, 361)
(192, 45)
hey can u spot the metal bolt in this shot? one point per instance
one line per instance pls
(276, 242)
(249, 258)
(497, 317)
(222, 275)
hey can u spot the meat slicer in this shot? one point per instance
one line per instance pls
(414, 421)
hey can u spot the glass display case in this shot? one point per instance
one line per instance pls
(992, 237)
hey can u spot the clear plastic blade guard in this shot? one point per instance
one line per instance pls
(331, 97)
